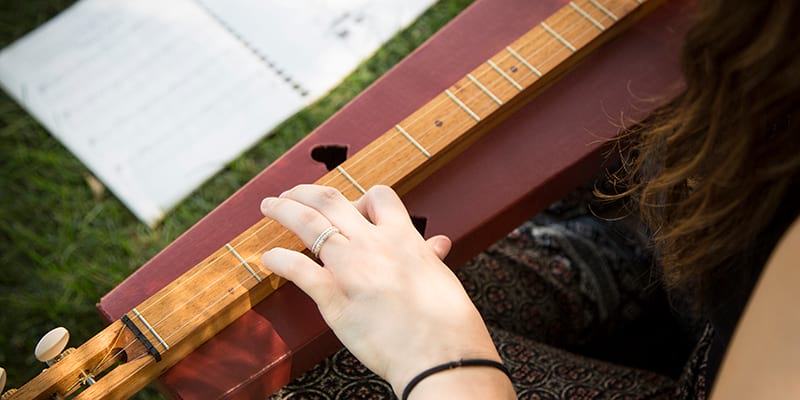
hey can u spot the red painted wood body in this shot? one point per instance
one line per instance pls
(542, 152)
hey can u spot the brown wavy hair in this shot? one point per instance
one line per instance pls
(712, 169)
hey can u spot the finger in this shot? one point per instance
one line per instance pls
(360, 204)
(306, 222)
(330, 203)
(315, 281)
(381, 205)
(441, 245)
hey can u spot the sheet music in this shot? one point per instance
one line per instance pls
(157, 96)
(316, 43)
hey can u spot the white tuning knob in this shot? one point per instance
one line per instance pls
(51, 345)
(2, 379)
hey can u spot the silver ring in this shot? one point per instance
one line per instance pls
(322, 238)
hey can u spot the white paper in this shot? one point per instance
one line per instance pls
(316, 43)
(157, 96)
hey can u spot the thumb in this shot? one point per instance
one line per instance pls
(440, 244)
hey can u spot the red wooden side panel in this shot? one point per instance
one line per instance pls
(538, 155)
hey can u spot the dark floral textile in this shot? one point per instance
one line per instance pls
(559, 281)
(340, 376)
(693, 383)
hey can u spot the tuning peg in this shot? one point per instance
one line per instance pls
(51, 345)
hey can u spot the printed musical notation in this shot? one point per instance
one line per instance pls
(155, 97)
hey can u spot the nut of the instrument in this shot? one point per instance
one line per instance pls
(51, 344)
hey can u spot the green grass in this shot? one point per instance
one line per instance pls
(62, 247)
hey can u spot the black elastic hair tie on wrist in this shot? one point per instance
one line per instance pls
(476, 362)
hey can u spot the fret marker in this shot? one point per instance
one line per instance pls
(150, 328)
(558, 37)
(462, 105)
(350, 179)
(587, 16)
(504, 75)
(241, 260)
(438, 123)
(604, 10)
(411, 139)
(484, 89)
(524, 61)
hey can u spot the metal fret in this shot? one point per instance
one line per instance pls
(484, 89)
(411, 139)
(150, 328)
(587, 16)
(524, 61)
(462, 105)
(350, 179)
(558, 37)
(604, 10)
(241, 260)
(504, 75)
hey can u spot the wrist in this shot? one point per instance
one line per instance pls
(401, 378)
(466, 379)
(468, 338)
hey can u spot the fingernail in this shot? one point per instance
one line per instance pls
(266, 203)
(264, 258)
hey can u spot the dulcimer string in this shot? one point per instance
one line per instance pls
(355, 161)
(428, 108)
(284, 232)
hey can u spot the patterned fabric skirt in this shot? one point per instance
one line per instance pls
(573, 310)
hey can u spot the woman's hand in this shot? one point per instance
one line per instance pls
(383, 289)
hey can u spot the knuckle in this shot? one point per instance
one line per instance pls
(373, 191)
(289, 192)
(381, 189)
(380, 192)
(306, 216)
(328, 194)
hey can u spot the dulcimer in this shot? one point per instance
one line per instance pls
(172, 322)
